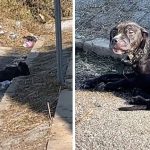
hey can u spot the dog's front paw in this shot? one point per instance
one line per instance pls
(109, 87)
(88, 84)
(139, 100)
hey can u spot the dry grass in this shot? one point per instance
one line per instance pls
(25, 10)
(25, 124)
(20, 119)
(28, 28)
(27, 14)
(28, 106)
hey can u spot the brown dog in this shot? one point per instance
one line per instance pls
(131, 39)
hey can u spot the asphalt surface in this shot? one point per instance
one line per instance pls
(95, 18)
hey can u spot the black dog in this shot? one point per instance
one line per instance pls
(11, 72)
(131, 39)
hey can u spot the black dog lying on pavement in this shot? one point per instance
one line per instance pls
(11, 72)
(131, 39)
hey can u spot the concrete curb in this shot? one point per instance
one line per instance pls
(79, 43)
(100, 46)
(66, 25)
(68, 76)
(62, 140)
(62, 126)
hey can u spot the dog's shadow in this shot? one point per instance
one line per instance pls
(127, 97)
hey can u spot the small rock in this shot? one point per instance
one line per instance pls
(18, 24)
(2, 32)
(13, 35)
(97, 104)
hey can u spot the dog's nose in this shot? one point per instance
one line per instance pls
(114, 41)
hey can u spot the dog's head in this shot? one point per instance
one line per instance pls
(29, 41)
(23, 68)
(127, 37)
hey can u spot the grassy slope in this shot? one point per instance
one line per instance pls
(29, 14)
(24, 10)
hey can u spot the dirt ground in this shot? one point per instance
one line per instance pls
(27, 124)
(34, 17)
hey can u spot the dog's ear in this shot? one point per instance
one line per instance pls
(20, 64)
(144, 33)
(113, 32)
(23, 67)
(145, 36)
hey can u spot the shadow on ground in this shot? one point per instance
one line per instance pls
(40, 87)
(93, 66)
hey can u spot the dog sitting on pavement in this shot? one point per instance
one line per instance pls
(11, 72)
(131, 39)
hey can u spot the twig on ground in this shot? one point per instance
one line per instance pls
(83, 117)
(50, 116)
(59, 90)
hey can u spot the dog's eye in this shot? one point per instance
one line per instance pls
(114, 32)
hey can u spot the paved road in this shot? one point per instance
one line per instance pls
(95, 18)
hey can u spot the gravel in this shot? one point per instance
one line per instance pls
(99, 123)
